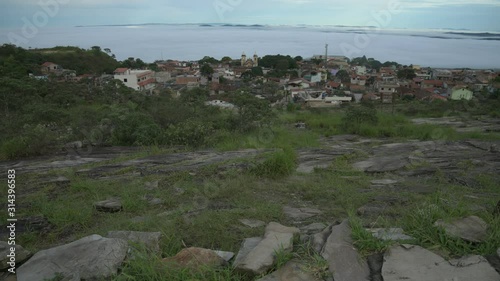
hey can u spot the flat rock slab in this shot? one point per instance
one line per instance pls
(472, 229)
(384, 182)
(344, 261)
(151, 240)
(390, 234)
(382, 164)
(90, 258)
(112, 205)
(20, 254)
(261, 258)
(300, 213)
(414, 263)
(291, 271)
(195, 259)
(252, 223)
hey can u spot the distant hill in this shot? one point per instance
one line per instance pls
(93, 61)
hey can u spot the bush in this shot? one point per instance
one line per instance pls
(34, 140)
(191, 132)
(279, 164)
(356, 116)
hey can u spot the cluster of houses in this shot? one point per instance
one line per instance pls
(315, 84)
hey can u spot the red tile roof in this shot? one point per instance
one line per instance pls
(47, 63)
(121, 70)
(145, 82)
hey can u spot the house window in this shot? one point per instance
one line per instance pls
(125, 80)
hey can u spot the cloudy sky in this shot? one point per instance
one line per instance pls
(415, 14)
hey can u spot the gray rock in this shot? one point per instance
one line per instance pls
(382, 164)
(252, 223)
(472, 229)
(300, 213)
(313, 228)
(416, 263)
(371, 209)
(111, 205)
(261, 258)
(20, 254)
(151, 240)
(248, 245)
(318, 240)
(384, 182)
(498, 252)
(90, 258)
(390, 234)
(291, 271)
(227, 256)
(155, 201)
(344, 261)
(151, 185)
(375, 262)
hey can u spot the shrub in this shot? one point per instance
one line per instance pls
(191, 132)
(355, 116)
(279, 164)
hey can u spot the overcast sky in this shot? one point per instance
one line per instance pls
(454, 14)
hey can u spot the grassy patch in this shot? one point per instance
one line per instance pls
(278, 164)
(364, 241)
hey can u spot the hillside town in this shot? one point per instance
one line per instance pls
(321, 81)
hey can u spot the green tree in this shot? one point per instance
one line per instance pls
(344, 76)
(407, 73)
(206, 70)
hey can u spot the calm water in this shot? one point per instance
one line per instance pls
(192, 42)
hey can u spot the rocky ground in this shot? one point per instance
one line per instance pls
(396, 169)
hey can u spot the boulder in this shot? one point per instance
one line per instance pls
(414, 263)
(20, 254)
(150, 240)
(318, 240)
(195, 259)
(344, 261)
(248, 245)
(472, 229)
(291, 271)
(90, 258)
(261, 258)
(112, 205)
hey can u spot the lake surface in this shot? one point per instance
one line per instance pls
(435, 48)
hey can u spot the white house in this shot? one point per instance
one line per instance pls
(136, 79)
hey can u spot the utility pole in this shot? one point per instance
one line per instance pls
(326, 54)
